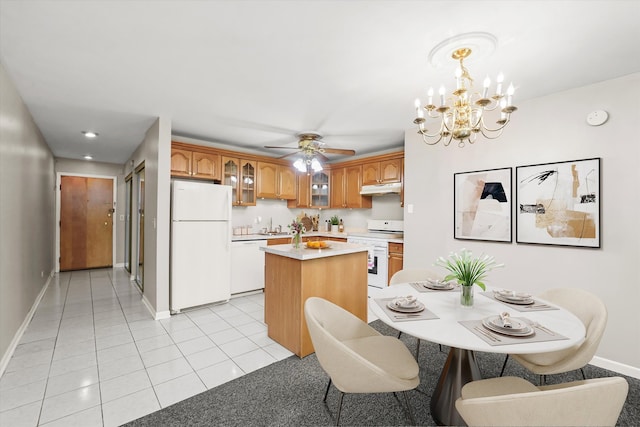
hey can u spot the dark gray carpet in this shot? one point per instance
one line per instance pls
(289, 393)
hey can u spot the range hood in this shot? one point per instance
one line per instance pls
(381, 189)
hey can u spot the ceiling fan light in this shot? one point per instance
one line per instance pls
(300, 165)
(315, 165)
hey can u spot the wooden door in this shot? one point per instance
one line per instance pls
(86, 223)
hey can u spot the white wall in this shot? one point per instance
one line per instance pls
(84, 167)
(548, 129)
(27, 201)
(155, 152)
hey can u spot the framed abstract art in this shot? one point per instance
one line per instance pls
(482, 205)
(559, 203)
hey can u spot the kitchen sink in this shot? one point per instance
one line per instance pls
(274, 233)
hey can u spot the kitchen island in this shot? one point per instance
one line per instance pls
(337, 274)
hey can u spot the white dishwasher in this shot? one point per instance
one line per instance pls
(247, 266)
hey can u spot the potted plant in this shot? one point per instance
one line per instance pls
(334, 223)
(468, 271)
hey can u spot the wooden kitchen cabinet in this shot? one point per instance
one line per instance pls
(195, 164)
(275, 181)
(396, 259)
(279, 241)
(382, 172)
(345, 188)
(313, 191)
(181, 162)
(240, 174)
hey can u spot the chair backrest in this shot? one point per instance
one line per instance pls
(413, 275)
(593, 402)
(330, 327)
(590, 310)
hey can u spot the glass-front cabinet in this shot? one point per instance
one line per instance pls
(240, 174)
(320, 190)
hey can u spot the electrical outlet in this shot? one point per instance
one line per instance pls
(121, 217)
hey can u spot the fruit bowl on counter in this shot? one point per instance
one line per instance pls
(317, 244)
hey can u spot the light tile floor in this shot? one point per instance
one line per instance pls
(93, 356)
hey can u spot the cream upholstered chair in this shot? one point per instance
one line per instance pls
(511, 401)
(357, 358)
(593, 314)
(413, 275)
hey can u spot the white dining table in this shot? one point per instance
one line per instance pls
(461, 366)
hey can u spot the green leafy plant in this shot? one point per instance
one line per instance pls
(466, 269)
(335, 220)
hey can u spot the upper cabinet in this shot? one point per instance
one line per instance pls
(313, 191)
(195, 164)
(320, 190)
(275, 181)
(252, 177)
(345, 188)
(382, 172)
(240, 174)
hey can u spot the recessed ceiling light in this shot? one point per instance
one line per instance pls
(88, 157)
(89, 134)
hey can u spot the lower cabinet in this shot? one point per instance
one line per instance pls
(396, 255)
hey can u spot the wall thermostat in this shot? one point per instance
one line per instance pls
(598, 117)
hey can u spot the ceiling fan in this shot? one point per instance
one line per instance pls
(310, 145)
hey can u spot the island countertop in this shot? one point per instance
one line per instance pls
(303, 253)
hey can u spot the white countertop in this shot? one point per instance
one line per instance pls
(303, 253)
(325, 234)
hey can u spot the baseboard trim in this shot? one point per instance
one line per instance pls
(119, 265)
(618, 367)
(157, 315)
(6, 357)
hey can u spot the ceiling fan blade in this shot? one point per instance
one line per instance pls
(322, 157)
(284, 148)
(287, 155)
(340, 151)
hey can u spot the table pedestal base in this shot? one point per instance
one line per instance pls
(459, 369)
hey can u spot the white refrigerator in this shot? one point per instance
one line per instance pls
(200, 244)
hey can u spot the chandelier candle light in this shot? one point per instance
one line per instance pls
(465, 117)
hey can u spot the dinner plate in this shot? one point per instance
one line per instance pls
(527, 331)
(527, 301)
(516, 324)
(511, 295)
(443, 287)
(414, 309)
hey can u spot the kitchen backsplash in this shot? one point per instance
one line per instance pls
(257, 217)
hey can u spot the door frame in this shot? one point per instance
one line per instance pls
(59, 176)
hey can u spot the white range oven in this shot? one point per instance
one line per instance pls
(377, 240)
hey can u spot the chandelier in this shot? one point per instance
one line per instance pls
(462, 116)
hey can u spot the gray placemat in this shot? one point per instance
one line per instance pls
(419, 286)
(494, 338)
(536, 306)
(396, 316)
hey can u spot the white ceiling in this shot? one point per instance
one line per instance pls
(255, 73)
